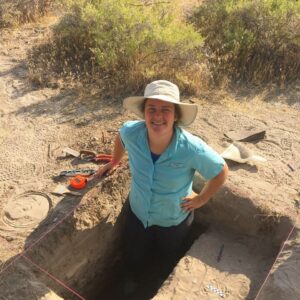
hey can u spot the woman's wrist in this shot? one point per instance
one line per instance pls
(114, 162)
(201, 200)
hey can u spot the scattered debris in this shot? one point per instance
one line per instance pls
(61, 190)
(294, 166)
(297, 203)
(220, 253)
(216, 290)
(70, 151)
(83, 172)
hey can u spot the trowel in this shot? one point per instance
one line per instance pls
(61, 190)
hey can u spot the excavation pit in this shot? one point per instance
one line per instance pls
(125, 282)
(230, 251)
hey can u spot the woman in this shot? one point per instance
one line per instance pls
(163, 158)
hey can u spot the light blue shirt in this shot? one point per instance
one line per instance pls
(157, 188)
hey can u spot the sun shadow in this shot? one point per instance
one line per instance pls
(78, 239)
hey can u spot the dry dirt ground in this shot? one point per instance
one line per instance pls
(54, 247)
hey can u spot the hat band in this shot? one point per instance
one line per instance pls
(163, 98)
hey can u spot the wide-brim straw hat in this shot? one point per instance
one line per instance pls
(239, 153)
(166, 91)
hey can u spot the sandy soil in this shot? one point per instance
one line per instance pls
(37, 124)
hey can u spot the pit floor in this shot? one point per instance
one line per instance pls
(214, 264)
(143, 283)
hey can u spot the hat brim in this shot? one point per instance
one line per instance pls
(188, 111)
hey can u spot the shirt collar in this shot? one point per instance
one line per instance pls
(171, 149)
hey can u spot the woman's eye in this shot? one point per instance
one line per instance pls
(163, 110)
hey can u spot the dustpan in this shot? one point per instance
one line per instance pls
(239, 153)
(246, 135)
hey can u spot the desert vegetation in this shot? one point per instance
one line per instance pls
(16, 12)
(255, 41)
(120, 45)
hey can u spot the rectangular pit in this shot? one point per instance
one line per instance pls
(231, 250)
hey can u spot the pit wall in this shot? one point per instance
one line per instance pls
(233, 209)
(252, 237)
(283, 282)
(83, 249)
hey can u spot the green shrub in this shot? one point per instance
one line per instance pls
(125, 43)
(252, 40)
(14, 12)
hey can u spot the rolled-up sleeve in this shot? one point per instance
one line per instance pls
(207, 161)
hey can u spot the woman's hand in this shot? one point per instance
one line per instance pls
(192, 202)
(118, 153)
(104, 170)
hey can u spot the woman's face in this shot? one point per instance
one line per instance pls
(159, 116)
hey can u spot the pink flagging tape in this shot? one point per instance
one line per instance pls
(53, 277)
(38, 240)
(280, 251)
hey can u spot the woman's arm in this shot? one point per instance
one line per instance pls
(194, 201)
(118, 153)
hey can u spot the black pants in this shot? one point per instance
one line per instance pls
(163, 242)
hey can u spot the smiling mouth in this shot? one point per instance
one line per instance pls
(158, 124)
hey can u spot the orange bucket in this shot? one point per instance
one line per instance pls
(78, 182)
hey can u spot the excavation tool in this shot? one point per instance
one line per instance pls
(88, 155)
(82, 172)
(245, 135)
(61, 190)
(78, 182)
(71, 152)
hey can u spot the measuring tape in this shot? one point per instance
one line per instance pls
(78, 182)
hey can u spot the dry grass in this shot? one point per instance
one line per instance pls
(15, 12)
